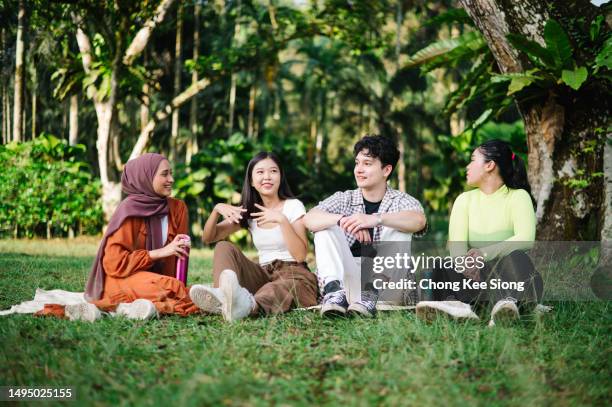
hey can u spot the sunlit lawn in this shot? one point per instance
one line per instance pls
(563, 358)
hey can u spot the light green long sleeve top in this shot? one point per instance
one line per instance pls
(497, 223)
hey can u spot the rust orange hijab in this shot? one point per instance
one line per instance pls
(142, 202)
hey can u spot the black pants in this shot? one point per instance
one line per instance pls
(516, 267)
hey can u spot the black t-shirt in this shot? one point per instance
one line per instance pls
(370, 208)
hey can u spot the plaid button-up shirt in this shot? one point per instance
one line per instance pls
(350, 202)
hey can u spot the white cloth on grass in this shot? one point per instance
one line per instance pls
(43, 297)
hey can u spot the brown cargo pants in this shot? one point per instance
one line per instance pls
(278, 286)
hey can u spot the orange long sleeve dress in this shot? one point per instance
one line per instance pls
(126, 263)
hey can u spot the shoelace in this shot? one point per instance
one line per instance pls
(368, 296)
(336, 297)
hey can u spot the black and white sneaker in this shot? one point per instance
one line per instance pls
(334, 302)
(366, 307)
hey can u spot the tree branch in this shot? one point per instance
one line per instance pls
(164, 113)
(490, 20)
(85, 49)
(142, 37)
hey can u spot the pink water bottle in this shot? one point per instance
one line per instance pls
(182, 265)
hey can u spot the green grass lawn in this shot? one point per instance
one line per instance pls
(563, 358)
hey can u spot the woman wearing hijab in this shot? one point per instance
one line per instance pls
(133, 273)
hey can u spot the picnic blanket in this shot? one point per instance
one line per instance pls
(42, 297)
(63, 297)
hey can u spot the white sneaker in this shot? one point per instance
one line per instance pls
(82, 312)
(504, 311)
(208, 299)
(239, 302)
(429, 310)
(138, 309)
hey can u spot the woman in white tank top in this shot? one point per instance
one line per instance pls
(280, 280)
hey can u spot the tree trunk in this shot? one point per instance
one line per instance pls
(144, 104)
(232, 93)
(116, 150)
(232, 105)
(4, 139)
(605, 257)
(73, 132)
(320, 133)
(560, 129)
(34, 99)
(19, 56)
(144, 107)
(401, 140)
(105, 107)
(250, 123)
(401, 165)
(7, 113)
(141, 39)
(5, 131)
(111, 191)
(310, 155)
(66, 107)
(192, 143)
(177, 82)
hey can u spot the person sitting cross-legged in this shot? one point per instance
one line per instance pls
(495, 225)
(345, 221)
(280, 280)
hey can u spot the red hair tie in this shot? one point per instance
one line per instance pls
(513, 156)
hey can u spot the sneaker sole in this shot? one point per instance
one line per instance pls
(82, 312)
(505, 316)
(227, 283)
(359, 311)
(430, 314)
(205, 300)
(333, 311)
(143, 310)
(139, 309)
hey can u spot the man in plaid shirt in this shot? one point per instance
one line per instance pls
(344, 221)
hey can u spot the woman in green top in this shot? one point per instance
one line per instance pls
(493, 224)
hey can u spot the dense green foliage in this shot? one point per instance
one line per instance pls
(47, 189)
(309, 80)
(553, 67)
(303, 79)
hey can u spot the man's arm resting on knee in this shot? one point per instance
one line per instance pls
(316, 219)
(405, 221)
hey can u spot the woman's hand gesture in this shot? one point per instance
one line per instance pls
(229, 212)
(268, 216)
